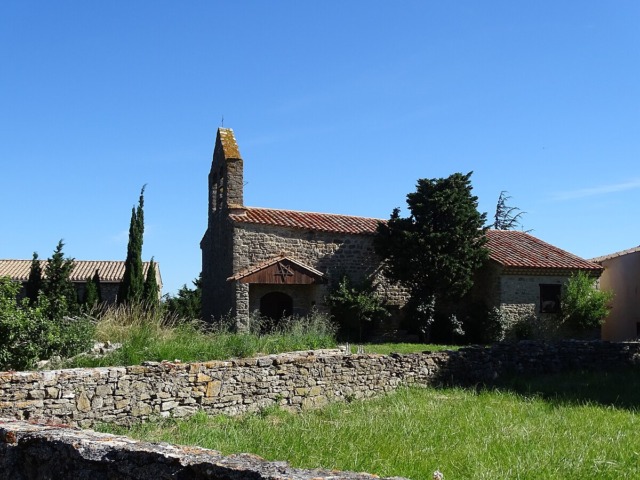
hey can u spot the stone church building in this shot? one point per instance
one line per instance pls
(283, 262)
(276, 261)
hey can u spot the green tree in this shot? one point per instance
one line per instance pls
(61, 295)
(506, 217)
(132, 287)
(584, 307)
(34, 284)
(187, 304)
(355, 307)
(92, 291)
(435, 251)
(151, 291)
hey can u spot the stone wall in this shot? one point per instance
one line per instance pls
(333, 254)
(296, 381)
(43, 452)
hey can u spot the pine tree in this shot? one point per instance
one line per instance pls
(60, 293)
(506, 217)
(92, 294)
(151, 291)
(132, 286)
(187, 303)
(34, 284)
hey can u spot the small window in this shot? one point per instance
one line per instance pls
(550, 298)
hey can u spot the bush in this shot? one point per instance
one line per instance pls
(28, 334)
(584, 307)
(356, 307)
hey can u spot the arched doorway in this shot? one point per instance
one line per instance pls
(276, 305)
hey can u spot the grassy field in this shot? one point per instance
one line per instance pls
(148, 335)
(575, 426)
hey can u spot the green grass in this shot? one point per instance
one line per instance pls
(149, 336)
(388, 348)
(523, 430)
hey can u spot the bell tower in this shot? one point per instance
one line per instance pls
(226, 175)
(225, 197)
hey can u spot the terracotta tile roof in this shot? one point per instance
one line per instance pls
(267, 263)
(520, 250)
(109, 270)
(616, 254)
(323, 222)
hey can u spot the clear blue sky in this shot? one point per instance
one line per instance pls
(337, 106)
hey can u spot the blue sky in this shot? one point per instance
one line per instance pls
(337, 107)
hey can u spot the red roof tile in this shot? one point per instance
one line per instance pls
(109, 270)
(323, 222)
(520, 250)
(507, 247)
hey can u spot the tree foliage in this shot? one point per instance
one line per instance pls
(92, 291)
(583, 306)
(187, 304)
(34, 284)
(28, 333)
(506, 217)
(435, 251)
(355, 307)
(58, 289)
(132, 287)
(151, 292)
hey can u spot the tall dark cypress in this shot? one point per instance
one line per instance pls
(151, 290)
(132, 286)
(34, 283)
(92, 294)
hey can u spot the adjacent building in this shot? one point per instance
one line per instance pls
(110, 272)
(622, 276)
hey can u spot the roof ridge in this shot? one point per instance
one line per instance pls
(615, 254)
(315, 213)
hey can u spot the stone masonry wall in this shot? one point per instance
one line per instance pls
(296, 381)
(331, 253)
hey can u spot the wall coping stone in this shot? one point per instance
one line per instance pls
(37, 452)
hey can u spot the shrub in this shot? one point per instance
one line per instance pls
(584, 307)
(28, 334)
(356, 306)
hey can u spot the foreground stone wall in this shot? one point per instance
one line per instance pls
(125, 395)
(35, 452)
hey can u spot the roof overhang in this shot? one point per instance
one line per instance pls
(280, 270)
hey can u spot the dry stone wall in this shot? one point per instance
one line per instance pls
(124, 395)
(43, 452)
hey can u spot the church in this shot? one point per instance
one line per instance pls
(277, 262)
(283, 262)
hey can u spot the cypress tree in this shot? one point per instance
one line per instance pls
(34, 283)
(92, 294)
(62, 299)
(151, 290)
(132, 286)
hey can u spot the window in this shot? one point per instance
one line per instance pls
(550, 298)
